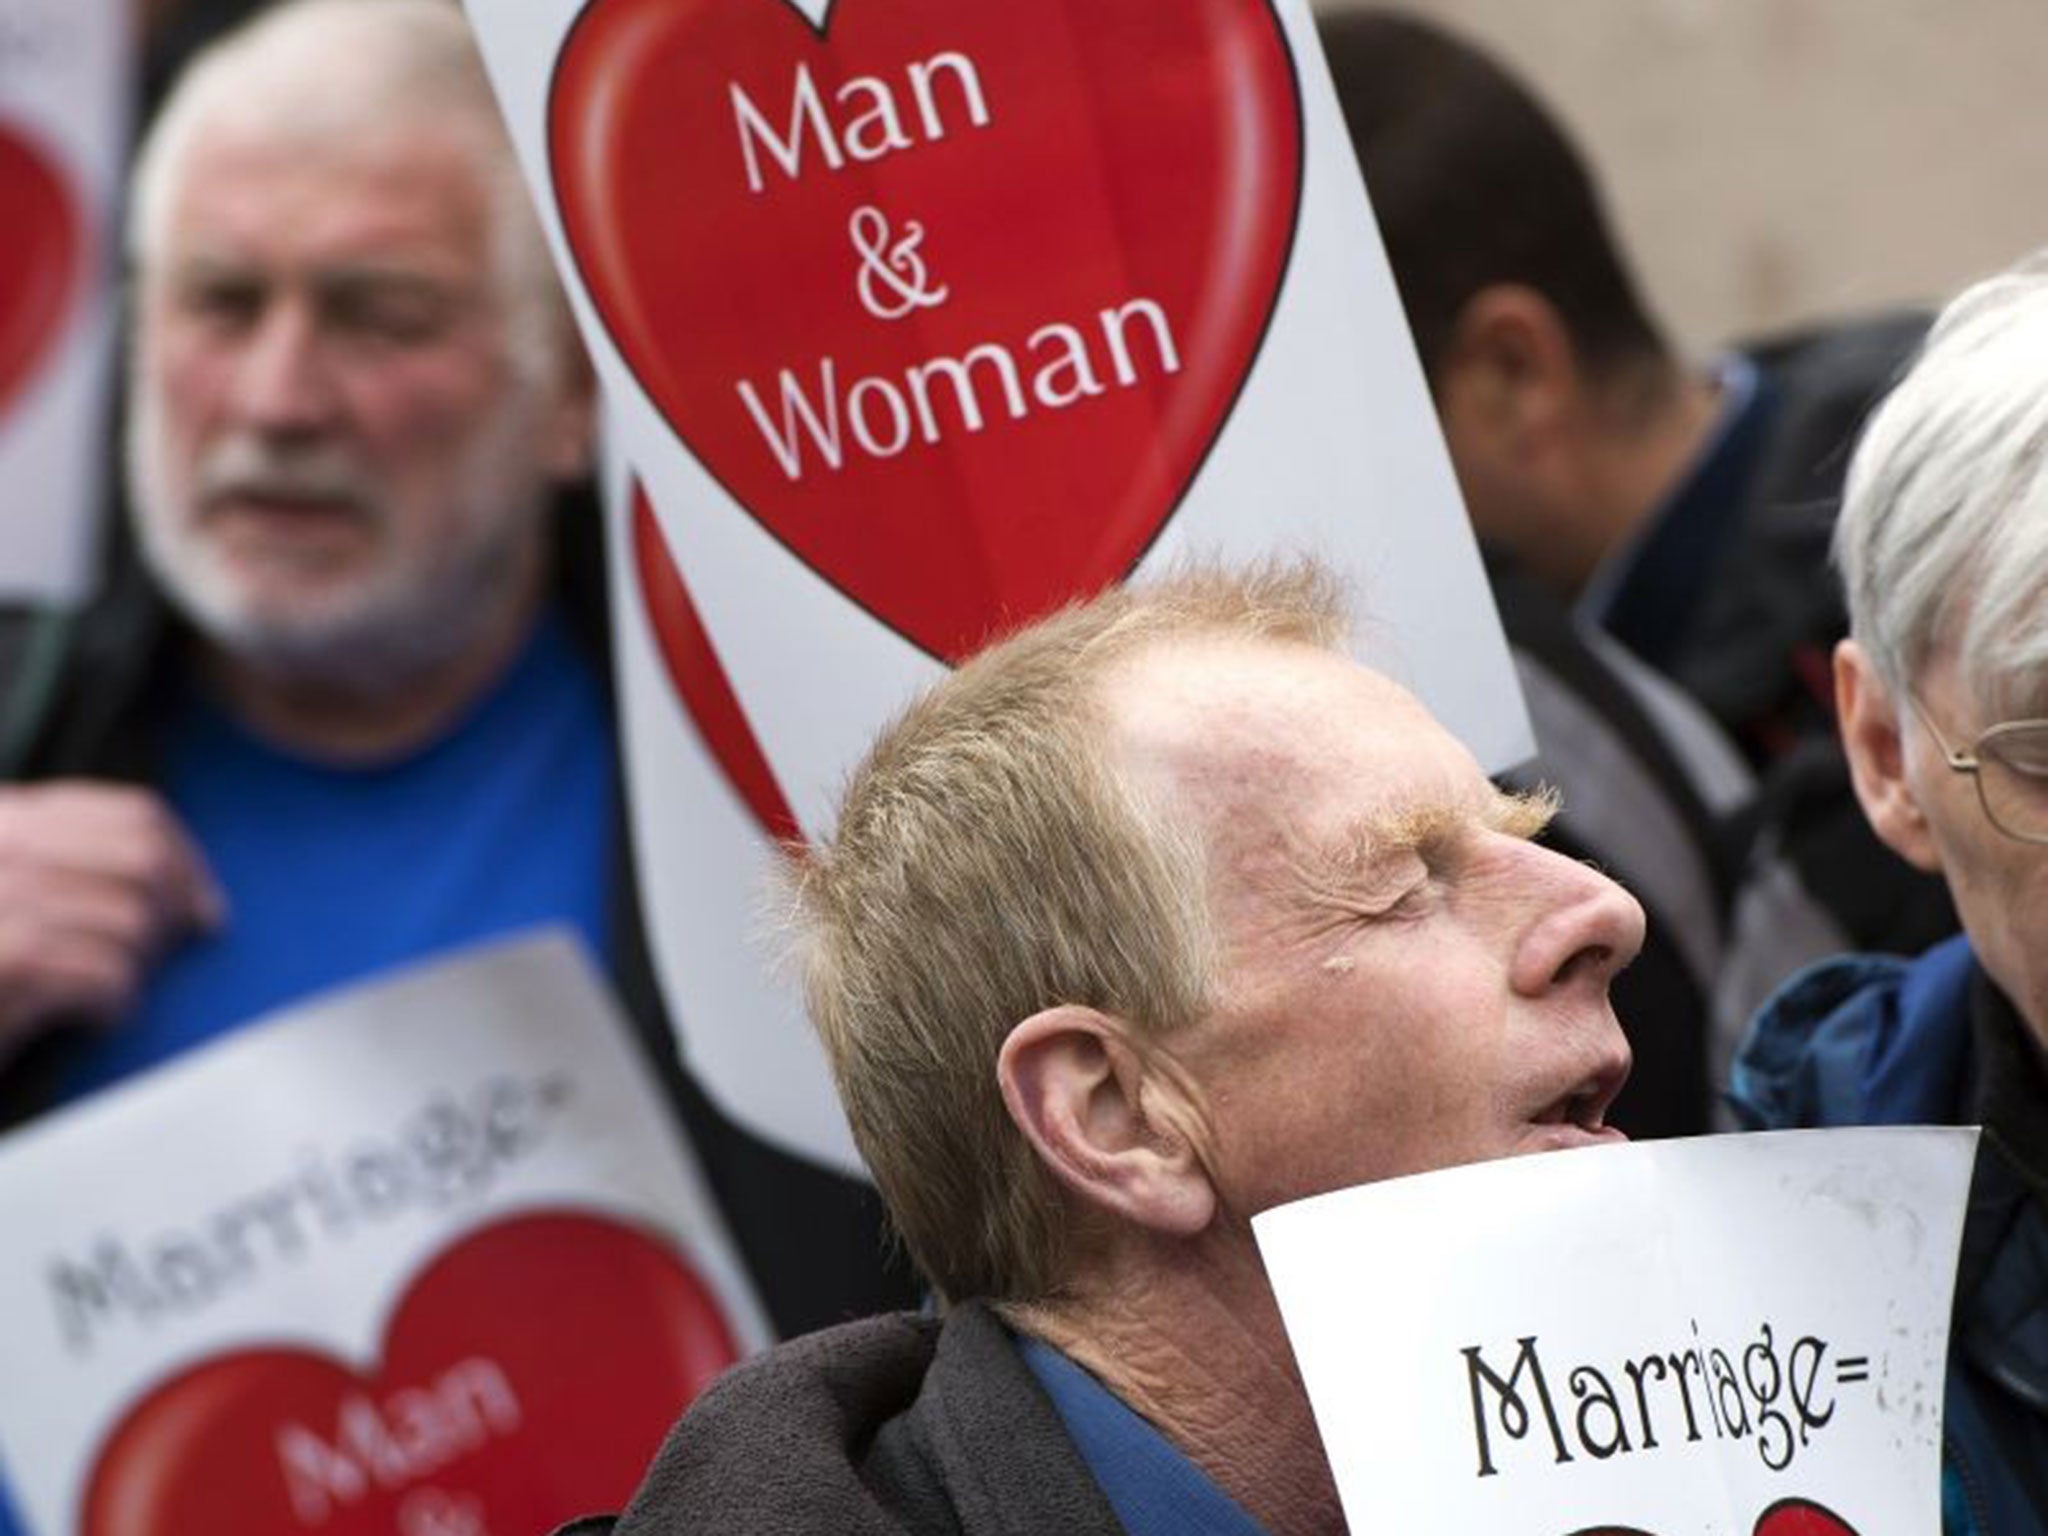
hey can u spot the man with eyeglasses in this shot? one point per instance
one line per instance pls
(1943, 695)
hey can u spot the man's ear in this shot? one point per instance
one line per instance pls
(1095, 1113)
(1509, 380)
(1877, 758)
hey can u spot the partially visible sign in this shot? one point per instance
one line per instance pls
(428, 1257)
(704, 830)
(1731, 1336)
(64, 78)
(917, 318)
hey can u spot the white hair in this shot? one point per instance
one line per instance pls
(319, 70)
(1943, 536)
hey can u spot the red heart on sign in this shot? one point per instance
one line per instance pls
(699, 678)
(1801, 1517)
(1787, 1517)
(953, 298)
(528, 1376)
(40, 257)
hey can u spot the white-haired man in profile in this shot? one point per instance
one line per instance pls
(1157, 915)
(1943, 692)
(351, 707)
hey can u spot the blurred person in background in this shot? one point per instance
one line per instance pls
(1649, 780)
(1678, 514)
(1682, 508)
(173, 30)
(349, 707)
(1943, 687)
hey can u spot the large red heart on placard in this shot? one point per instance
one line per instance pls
(528, 1376)
(1039, 163)
(40, 257)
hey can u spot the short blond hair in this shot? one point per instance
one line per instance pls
(990, 862)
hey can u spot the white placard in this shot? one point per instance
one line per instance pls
(426, 1255)
(64, 83)
(916, 317)
(1729, 1336)
(705, 866)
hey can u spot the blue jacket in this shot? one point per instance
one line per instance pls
(1872, 1040)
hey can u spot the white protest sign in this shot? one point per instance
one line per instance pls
(704, 864)
(64, 81)
(427, 1256)
(1731, 1336)
(916, 318)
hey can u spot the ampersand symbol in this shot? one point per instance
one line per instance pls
(893, 280)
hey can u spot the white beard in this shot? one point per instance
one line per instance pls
(406, 612)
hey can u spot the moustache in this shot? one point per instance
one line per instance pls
(243, 469)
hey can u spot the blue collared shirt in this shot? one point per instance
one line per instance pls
(1152, 1487)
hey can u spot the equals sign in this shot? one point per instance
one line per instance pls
(1852, 1368)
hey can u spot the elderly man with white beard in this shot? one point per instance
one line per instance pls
(351, 708)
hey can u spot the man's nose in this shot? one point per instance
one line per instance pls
(284, 384)
(1585, 929)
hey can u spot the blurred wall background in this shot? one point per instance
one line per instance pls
(1770, 162)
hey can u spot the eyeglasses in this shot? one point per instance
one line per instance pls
(2010, 764)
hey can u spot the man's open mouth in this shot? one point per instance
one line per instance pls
(1584, 1107)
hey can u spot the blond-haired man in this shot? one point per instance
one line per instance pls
(1159, 914)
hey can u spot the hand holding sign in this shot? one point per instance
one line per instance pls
(96, 881)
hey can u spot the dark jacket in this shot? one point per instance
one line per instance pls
(895, 1426)
(1871, 1040)
(1746, 611)
(81, 698)
(1769, 608)
(1757, 652)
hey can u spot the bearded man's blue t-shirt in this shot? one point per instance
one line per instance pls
(334, 873)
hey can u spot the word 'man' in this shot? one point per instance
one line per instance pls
(881, 415)
(390, 1445)
(1779, 1401)
(870, 120)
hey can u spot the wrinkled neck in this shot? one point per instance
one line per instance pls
(1189, 1337)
